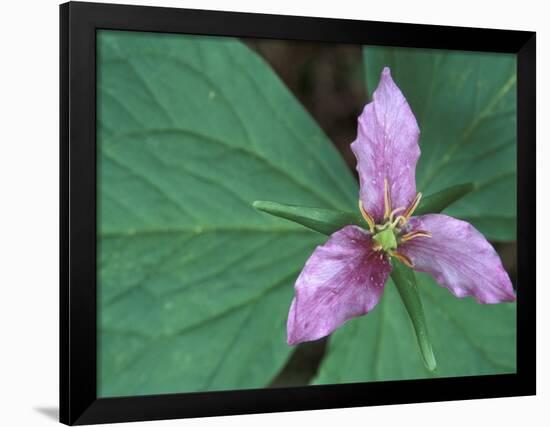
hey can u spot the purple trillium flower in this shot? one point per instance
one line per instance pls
(345, 277)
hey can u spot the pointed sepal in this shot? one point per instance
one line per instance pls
(435, 203)
(405, 281)
(324, 221)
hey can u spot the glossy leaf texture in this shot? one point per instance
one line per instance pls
(467, 338)
(465, 105)
(195, 284)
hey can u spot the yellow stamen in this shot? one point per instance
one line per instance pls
(400, 218)
(387, 199)
(394, 212)
(414, 235)
(410, 210)
(367, 217)
(403, 258)
(380, 227)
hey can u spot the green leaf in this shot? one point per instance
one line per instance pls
(468, 339)
(194, 284)
(405, 282)
(465, 104)
(324, 221)
(437, 202)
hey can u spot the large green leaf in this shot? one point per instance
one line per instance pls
(465, 104)
(195, 284)
(468, 339)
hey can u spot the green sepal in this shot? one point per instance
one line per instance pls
(405, 281)
(436, 202)
(325, 221)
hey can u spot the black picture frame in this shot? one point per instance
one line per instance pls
(79, 403)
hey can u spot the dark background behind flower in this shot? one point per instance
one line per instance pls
(329, 82)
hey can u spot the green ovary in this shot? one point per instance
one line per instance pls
(386, 239)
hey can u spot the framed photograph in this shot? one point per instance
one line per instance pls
(268, 213)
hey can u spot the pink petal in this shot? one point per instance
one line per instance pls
(459, 258)
(343, 278)
(386, 147)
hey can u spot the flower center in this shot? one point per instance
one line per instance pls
(389, 235)
(386, 239)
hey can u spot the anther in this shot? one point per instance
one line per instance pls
(400, 218)
(414, 235)
(403, 258)
(394, 212)
(387, 200)
(366, 216)
(412, 207)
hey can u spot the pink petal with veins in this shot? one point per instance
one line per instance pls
(386, 147)
(343, 278)
(459, 258)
